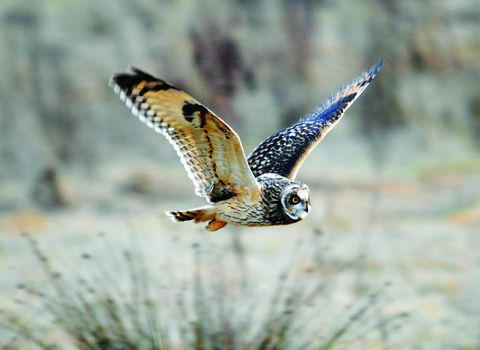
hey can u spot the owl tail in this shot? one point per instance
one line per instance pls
(202, 214)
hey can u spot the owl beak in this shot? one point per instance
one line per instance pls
(306, 209)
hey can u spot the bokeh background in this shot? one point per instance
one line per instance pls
(395, 186)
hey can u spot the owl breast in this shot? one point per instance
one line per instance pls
(265, 213)
(237, 211)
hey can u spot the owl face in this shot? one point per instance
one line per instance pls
(295, 201)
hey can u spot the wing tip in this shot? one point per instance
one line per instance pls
(347, 93)
(367, 76)
(133, 76)
(376, 68)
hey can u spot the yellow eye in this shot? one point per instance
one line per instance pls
(295, 199)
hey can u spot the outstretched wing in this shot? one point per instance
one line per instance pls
(209, 149)
(283, 152)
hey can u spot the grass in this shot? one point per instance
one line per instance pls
(218, 304)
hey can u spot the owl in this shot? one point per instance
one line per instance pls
(258, 190)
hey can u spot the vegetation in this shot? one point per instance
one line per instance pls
(133, 308)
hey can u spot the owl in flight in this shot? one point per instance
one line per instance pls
(260, 190)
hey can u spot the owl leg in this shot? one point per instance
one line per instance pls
(215, 225)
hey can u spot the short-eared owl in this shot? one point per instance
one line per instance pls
(256, 191)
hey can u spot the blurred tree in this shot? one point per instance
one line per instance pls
(36, 70)
(381, 110)
(286, 38)
(46, 190)
(218, 58)
(299, 23)
(475, 121)
(53, 97)
(21, 147)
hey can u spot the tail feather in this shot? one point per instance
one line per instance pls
(198, 215)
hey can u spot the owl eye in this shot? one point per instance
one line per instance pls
(295, 199)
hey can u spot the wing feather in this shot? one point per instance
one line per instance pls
(209, 149)
(284, 152)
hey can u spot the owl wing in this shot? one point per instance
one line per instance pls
(210, 150)
(284, 152)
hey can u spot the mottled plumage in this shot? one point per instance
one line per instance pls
(260, 191)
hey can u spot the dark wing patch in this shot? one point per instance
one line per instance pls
(189, 109)
(127, 82)
(283, 152)
(210, 150)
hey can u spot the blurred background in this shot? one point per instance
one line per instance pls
(395, 186)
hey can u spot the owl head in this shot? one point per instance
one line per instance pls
(295, 201)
